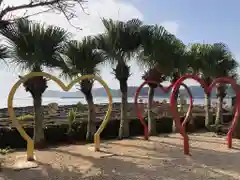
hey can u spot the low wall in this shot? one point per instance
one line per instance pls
(57, 133)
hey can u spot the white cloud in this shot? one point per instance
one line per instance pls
(171, 26)
(90, 24)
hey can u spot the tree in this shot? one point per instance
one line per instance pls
(83, 59)
(152, 57)
(161, 52)
(226, 67)
(152, 74)
(203, 64)
(211, 61)
(33, 46)
(180, 65)
(119, 43)
(66, 7)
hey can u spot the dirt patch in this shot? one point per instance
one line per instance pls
(136, 159)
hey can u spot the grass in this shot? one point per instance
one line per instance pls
(5, 151)
(25, 117)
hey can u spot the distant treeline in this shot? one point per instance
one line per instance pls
(197, 92)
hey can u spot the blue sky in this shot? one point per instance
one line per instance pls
(199, 21)
(195, 21)
(191, 21)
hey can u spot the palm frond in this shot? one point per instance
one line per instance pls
(213, 60)
(35, 45)
(82, 57)
(4, 52)
(158, 48)
(121, 39)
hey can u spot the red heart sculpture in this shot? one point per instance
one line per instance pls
(207, 89)
(164, 89)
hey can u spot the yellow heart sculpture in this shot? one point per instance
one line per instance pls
(30, 144)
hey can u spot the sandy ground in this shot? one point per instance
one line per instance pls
(160, 158)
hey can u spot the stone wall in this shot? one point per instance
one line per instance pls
(61, 113)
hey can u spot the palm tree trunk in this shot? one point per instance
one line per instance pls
(124, 123)
(152, 130)
(219, 111)
(39, 138)
(208, 114)
(189, 119)
(175, 77)
(86, 88)
(220, 96)
(207, 103)
(174, 128)
(91, 127)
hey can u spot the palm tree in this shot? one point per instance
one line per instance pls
(152, 57)
(152, 74)
(82, 59)
(211, 61)
(161, 52)
(33, 46)
(119, 43)
(203, 65)
(226, 66)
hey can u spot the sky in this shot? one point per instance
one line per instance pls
(191, 21)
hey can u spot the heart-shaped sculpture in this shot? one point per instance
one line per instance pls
(207, 89)
(30, 144)
(164, 89)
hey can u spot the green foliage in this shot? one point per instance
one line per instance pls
(156, 49)
(71, 118)
(120, 41)
(212, 60)
(25, 117)
(161, 53)
(82, 57)
(5, 151)
(33, 45)
(80, 106)
(72, 114)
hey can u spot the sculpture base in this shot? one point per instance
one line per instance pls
(101, 153)
(22, 163)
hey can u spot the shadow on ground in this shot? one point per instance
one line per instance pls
(132, 159)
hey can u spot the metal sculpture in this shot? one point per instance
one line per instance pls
(207, 89)
(164, 89)
(30, 144)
